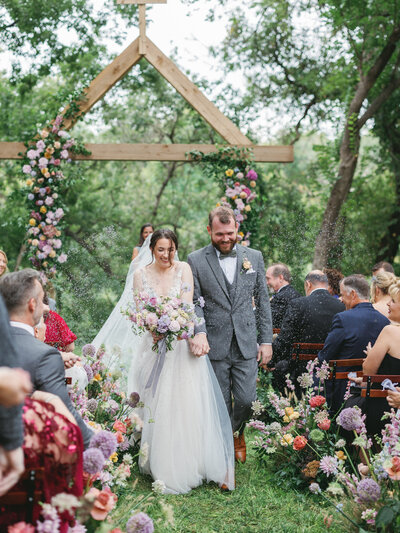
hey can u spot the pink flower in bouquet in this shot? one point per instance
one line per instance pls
(394, 470)
(175, 302)
(325, 424)
(104, 502)
(317, 401)
(62, 258)
(21, 527)
(299, 442)
(119, 426)
(151, 319)
(174, 326)
(252, 175)
(153, 301)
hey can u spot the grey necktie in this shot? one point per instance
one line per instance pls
(232, 253)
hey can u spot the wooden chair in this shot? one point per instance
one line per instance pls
(276, 331)
(305, 351)
(343, 363)
(369, 392)
(68, 381)
(25, 494)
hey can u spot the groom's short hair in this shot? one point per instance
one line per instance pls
(224, 214)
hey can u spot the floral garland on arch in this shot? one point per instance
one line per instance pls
(233, 169)
(44, 181)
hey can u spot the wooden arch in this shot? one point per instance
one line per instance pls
(144, 47)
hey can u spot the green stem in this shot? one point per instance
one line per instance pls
(367, 459)
(340, 511)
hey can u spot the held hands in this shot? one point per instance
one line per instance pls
(15, 384)
(69, 359)
(264, 355)
(199, 345)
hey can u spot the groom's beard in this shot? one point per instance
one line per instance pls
(225, 249)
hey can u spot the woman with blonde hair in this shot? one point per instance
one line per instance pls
(380, 285)
(3, 263)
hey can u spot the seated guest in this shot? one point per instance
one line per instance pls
(380, 297)
(334, 278)
(351, 331)
(278, 279)
(307, 319)
(58, 333)
(23, 295)
(384, 358)
(382, 266)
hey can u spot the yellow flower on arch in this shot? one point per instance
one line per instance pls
(229, 172)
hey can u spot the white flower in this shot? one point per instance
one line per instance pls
(257, 407)
(65, 502)
(136, 421)
(340, 443)
(158, 487)
(127, 458)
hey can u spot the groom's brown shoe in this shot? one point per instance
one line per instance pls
(240, 448)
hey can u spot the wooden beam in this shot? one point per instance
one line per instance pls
(157, 152)
(192, 94)
(106, 79)
(142, 29)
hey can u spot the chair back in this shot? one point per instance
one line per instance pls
(369, 392)
(25, 494)
(305, 351)
(343, 363)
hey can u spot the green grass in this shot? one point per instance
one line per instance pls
(257, 505)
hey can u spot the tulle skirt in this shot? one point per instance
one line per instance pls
(187, 433)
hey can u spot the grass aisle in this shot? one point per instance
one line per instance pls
(257, 505)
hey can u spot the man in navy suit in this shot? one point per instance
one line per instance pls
(351, 331)
(278, 279)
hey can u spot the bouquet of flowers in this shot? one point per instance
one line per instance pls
(167, 318)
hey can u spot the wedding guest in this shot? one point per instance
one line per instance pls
(380, 285)
(393, 398)
(278, 279)
(58, 333)
(382, 266)
(307, 319)
(23, 295)
(145, 231)
(384, 358)
(3, 263)
(351, 331)
(334, 278)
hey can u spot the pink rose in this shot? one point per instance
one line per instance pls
(394, 470)
(153, 301)
(119, 426)
(104, 502)
(325, 424)
(317, 401)
(21, 527)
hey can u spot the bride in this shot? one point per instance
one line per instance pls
(187, 434)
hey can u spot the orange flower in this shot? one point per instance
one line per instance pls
(120, 437)
(119, 426)
(299, 442)
(104, 502)
(394, 470)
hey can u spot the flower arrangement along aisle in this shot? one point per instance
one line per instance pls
(299, 441)
(44, 181)
(368, 497)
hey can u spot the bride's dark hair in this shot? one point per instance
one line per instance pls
(163, 234)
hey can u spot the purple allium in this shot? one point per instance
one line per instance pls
(329, 465)
(140, 523)
(89, 372)
(368, 490)
(89, 349)
(124, 445)
(351, 419)
(93, 460)
(91, 405)
(133, 399)
(105, 441)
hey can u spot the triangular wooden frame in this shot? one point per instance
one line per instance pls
(144, 47)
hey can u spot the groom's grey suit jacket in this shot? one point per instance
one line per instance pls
(231, 312)
(45, 365)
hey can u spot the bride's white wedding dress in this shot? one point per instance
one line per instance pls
(187, 433)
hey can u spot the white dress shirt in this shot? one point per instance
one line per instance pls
(22, 325)
(228, 265)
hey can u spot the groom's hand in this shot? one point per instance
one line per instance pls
(199, 345)
(264, 355)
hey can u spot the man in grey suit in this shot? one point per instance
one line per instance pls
(23, 295)
(231, 280)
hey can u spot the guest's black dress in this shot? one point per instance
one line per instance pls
(376, 407)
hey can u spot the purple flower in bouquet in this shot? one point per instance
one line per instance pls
(140, 523)
(104, 441)
(329, 465)
(351, 420)
(133, 399)
(114, 406)
(163, 323)
(201, 301)
(124, 445)
(368, 490)
(93, 460)
(252, 175)
(89, 350)
(91, 405)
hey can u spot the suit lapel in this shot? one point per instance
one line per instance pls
(238, 277)
(212, 259)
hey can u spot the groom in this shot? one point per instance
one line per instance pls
(231, 279)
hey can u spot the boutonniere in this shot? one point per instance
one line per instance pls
(247, 267)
